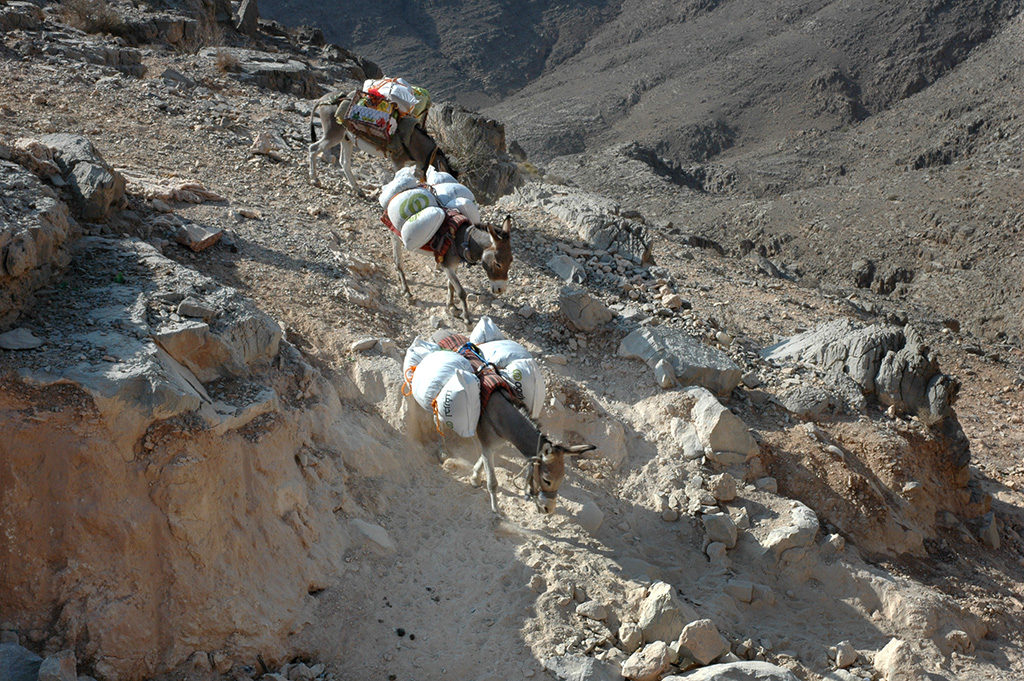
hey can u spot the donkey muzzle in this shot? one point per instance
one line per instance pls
(545, 504)
(498, 286)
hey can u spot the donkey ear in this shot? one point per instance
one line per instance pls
(499, 234)
(576, 450)
(506, 226)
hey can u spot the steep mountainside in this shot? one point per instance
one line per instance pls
(472, 52)
(690, 112)
(210, 469)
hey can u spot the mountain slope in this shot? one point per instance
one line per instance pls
(471, 52)
(691, 84)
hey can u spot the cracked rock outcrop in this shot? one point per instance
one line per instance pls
(892, 364)
(34, 229)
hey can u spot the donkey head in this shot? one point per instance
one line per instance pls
(497, 258)
(442, 163)
(546, 472)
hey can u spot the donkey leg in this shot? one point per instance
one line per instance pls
(346, 164)
(476, 477)
(455, 287)
(492, 479)
(314, 152)
(396, 251)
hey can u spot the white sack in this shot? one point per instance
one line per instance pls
(485, 331)
(404, 179)
(438, 177)
(458, 403)
(419, 349)
(527, 380)
(398, 91)
(467, 208)
(421, 227)
(502, 352)
(408, 203)
(433, 372)
(449, 191)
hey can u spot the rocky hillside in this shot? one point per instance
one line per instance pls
(473, 53)
(209, 470)
(747, 123)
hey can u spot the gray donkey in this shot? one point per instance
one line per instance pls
(412, 143)
(501, 420)
(487, 246)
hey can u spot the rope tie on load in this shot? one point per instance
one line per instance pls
(437, 418)
(407, 385)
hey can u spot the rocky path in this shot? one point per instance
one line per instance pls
(751, 510)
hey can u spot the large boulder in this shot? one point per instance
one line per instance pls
(693, 362)
(799, 531)
(584, 311)
(247, 20)
(897, 661)
(737, 671)
(35, 227)
(268, 70)
(156, 367)
(891, 364)
(18, 664)
(648, 663)
(581, 668)
(20, 15)
(662, 615)
(476, 145)
(599, 221)
(702, 642)
(719, 430)
(95, 187)
(59, 667)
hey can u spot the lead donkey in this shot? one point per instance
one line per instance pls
(412, 145)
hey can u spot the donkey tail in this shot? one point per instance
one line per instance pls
(312, 128)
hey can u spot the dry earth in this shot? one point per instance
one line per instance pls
(326, 531)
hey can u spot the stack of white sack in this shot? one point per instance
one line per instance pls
(439, 377)
(444, 384)
(417, 210)
(395, 90)
(453, 195)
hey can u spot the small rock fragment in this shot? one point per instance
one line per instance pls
(19, 339)
(362, 345)
(197, 237)
(723, 487)
(648, 663)
(592, 610)
(846, 654)
(701, 641)
(630, 636)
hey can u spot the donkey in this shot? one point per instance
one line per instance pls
(545, 460)
(416, 146)
(488, 246)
